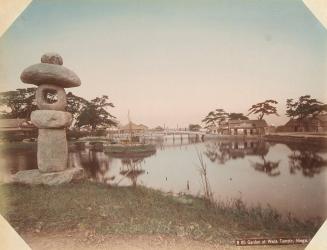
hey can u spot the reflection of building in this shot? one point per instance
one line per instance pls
(310, 124)
(132, 127)
(241, 127)
(225, 150)
(18, 129)
(237, 148)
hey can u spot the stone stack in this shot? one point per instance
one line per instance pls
(51, 119)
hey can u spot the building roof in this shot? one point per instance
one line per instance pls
(15, 124)
(133, 126)
(248, 123)
(240, 124)
(11, 123)
(143, 126)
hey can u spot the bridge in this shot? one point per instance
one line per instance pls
(182, 132)
(175, 133)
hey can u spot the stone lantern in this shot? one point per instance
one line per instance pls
(51, 119)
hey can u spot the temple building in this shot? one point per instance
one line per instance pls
(241, 127)
(309, 124)
(132, 128)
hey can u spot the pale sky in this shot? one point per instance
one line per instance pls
(171, 62)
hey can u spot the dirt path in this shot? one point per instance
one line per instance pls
(64, 241)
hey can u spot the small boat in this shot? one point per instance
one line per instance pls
(123, 150)
(130, 146)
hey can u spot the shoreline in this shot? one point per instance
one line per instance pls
(307, 138)
(317, 139)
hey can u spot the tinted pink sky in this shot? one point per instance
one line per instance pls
(171, 62)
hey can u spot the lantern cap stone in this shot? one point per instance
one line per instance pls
(50, 71)
(52, 58)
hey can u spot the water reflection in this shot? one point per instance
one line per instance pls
(306, 160)
(132, 169)
(167, 142)
(225, 150)
(268, 167)
(234, 167)
(95, 162)
(17, 156)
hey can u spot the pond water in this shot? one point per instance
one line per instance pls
(291, 178)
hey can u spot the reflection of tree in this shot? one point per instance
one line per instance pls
(307, 161)
(225, 150)
(97, 165)
(268, 167)
(132, 168)
(216, 153)
(305, 158)
(195, 140)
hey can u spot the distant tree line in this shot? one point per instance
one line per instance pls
(21, 102)
(304, 107)
(299, 109)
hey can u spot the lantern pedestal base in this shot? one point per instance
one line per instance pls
(35, 177)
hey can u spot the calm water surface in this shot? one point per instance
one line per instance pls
(291, 178)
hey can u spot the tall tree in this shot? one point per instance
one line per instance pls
(264, 108)
(95, 114)
(18, 103)
(21, 102)
(209, 120)
(194, 127)
(215, 118)
(304, 107)
(75, 104)
(237, 116)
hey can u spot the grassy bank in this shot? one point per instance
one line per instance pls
(126, 210)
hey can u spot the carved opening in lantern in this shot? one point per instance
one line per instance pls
(50, 95)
